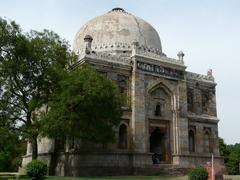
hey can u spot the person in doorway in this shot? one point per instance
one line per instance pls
(155, 158)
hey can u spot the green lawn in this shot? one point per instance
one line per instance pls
(133, 178)
(232, 177)
(117, 178)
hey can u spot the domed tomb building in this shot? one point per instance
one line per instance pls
(170, 118)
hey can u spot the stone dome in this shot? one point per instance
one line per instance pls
(117, 30)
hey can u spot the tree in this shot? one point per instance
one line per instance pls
(233, 160)
(231, 154)
(31, 65)
(223, 149)
(87, 106)
(10, 152)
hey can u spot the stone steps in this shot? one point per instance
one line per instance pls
(9, 175)
(161, 169)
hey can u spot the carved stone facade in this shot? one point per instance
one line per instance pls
(169, 111)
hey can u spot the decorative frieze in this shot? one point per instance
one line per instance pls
(111, 46)
(161, 70)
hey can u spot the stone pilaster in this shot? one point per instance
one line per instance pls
(215, 141)
(199, 138)
(183, 121)
(138, 111)
(197, 101)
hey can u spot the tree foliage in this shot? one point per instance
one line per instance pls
(31, 65)
(233, 160)
(11, 149)
(223, 148)
(231, 155)
(87, 106)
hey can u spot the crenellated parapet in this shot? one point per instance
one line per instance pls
(109, 56)
(122, 52)
(200, 77)
(106, 56)
(155, 54)
(161, 57)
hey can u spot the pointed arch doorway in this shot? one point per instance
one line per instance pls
(159, 141)
(160, 116)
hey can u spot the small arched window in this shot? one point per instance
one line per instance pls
(158, 110)
(122, 81)
(191, 140)
(205, 102)
(122, 137)
(123, 87)
(190, 99)
(207, 142)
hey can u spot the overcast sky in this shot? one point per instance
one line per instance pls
(207, 31)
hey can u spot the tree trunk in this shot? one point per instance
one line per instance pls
(34, 148)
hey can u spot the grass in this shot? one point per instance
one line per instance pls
(131, 178)
(113, 178)
(117, 178)
(232, 177)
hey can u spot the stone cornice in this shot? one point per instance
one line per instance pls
(109, 57)
(200, 77)
(203, 118)
(107, 63)
(104, 58)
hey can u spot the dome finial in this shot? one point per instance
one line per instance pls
(118, 9)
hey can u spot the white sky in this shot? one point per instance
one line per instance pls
(207, 31)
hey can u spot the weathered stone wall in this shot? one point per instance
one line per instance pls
(175, 109)
(102, 164)
(106, 164)
(199, 138)
(202, 116)
(191, 161)
(72, 164)
(203, 91)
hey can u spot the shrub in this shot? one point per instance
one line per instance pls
(198, 174)
(37, 169)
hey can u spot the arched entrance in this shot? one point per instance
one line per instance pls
(157, 143)
(122, 137)
(160, 117)
(191, 140)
